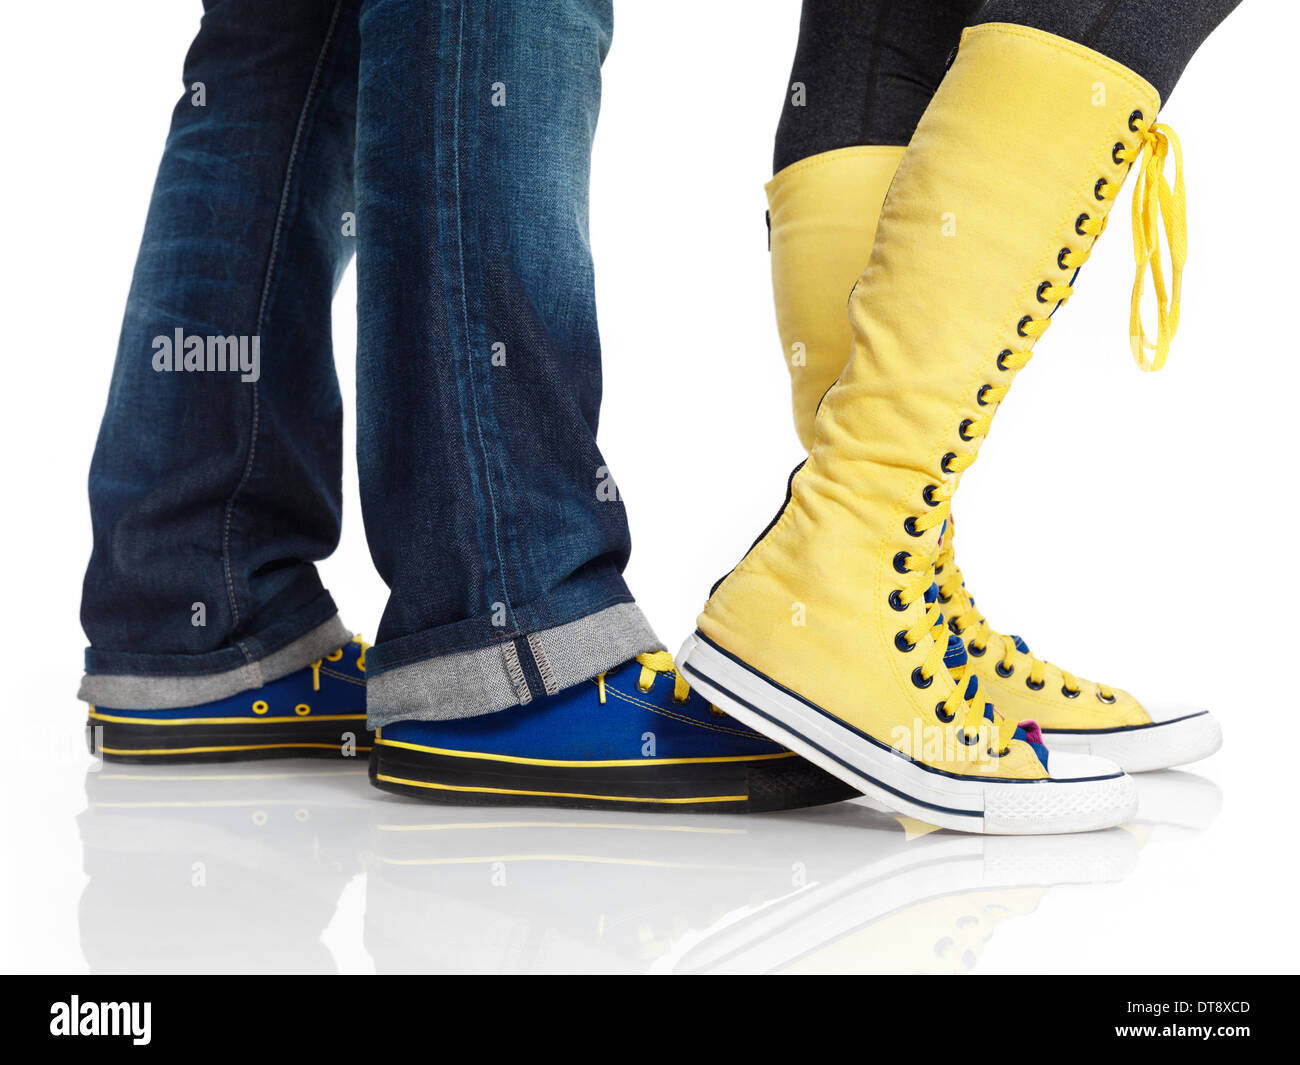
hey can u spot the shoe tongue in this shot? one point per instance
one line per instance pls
(1021, 646)
(955, 657)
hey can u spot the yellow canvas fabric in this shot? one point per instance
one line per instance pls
(822, 212)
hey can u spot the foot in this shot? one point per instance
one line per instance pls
(1074, 714)
(318, 711)
(634, 738)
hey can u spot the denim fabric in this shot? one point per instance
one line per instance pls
(206, 488)
(488, 508)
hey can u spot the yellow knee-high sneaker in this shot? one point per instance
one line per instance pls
(822, 213)
(822, 636)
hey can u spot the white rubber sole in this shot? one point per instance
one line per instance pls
(962, 803)
(1146, 747)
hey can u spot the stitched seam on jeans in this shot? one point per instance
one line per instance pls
(549, 683)
(464, 305)
(272, 259)
(516, 673)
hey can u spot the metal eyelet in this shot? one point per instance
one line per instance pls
(1020, 325)
(966, 738)
(1000, 754)
(947, 718)
(1060, 258)
(952, 622)
(1005, 353)
(896, 600)
(1004, 671)
(644, 688)
(961, 430)
(1105, 700)
(979, 396)
(909, 527)
(1078, 224)
(945, 599)
(1069, 693)
(920, 679)
(900, 561)
(1035, 687)
(902, 642)
(946, 463)
(927, 494)
(976, 649)
(1096, 189)
(1041, 288)
(1133, 119)
(1114, 153)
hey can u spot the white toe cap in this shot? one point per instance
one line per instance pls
(1163, 712)
(1067, 765)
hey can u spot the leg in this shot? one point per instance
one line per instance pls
(215, 482)
(1156, 39)
(511, 665)
(867, 69)
(488, 506)
(823, 215)
(981, 239)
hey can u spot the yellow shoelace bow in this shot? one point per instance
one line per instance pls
(1154, 203)
(652, 664)
(334, 656)
(972, 627)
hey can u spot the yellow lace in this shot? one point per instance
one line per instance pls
(1154, 202)
(334, 656)
(967, 622)
(931, 623)
(652, 664)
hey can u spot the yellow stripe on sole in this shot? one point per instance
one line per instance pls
(608, 763)
(210, 750)
(558, 794)
(97, 716)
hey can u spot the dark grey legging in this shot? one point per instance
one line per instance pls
(869, 67)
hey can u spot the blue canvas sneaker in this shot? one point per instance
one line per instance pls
(634, 738)
(318, 711)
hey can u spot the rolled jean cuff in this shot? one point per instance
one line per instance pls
(159, 690)
(510, 672)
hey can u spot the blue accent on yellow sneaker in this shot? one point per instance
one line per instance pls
(317, 711)
(635, 737)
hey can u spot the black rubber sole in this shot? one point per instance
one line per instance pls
(756, 785)
(141, 744)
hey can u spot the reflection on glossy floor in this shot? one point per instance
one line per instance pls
(244, 868)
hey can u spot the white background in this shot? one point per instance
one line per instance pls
(1135, 528)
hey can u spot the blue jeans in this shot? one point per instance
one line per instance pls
(449, 144)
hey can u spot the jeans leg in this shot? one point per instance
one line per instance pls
(216, 479)
(488, 508)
